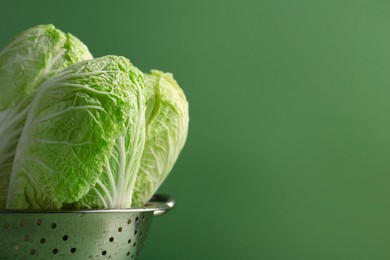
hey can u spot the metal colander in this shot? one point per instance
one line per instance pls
(83, 234)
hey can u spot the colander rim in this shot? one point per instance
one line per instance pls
(159, 204)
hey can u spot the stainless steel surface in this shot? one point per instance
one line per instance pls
(83, 234)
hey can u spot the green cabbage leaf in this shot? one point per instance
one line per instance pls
(75, 121)
(115, 187)
(167, 121)
(31, 58)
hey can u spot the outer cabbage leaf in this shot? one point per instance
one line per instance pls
(70, 131)
(115, 187)
(166, 132)
(31, 58)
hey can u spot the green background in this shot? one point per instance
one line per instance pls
(288, 154)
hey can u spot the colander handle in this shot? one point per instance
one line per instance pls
(164, 203)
